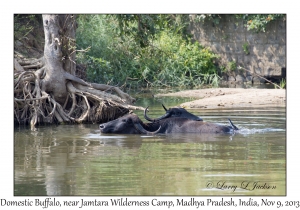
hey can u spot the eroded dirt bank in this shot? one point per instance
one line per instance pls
(231, 97)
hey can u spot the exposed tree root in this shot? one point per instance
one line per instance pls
(46, 90)
(85, 102)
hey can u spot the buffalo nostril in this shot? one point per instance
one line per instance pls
(101, 126)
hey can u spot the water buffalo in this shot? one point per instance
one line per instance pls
(173, 112)
(131, 124)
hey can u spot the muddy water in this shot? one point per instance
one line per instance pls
(78, 160)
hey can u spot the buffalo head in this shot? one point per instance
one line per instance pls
(173, 112)
(128, 124)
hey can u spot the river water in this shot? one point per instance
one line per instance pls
(78, 160)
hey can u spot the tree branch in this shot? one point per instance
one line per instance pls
(239, 67)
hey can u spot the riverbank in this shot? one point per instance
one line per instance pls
(214, 98)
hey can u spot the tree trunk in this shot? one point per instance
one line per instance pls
(47, 90)
(54, 81)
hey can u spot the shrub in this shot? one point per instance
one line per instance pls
(259, 22)
(169, 59)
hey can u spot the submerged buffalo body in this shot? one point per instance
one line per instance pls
(131, 124)
(173, 112)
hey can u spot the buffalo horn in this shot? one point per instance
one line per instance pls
(164, 107)
(157, 119)
(232, 125)
(140, 128)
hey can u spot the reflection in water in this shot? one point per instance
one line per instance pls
(78, 160)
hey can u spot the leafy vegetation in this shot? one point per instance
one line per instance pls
(23, 25)
(210, 17)
(146, 50)
(254, 22)
(151, 50)
(231, 65)
(282, 84)
(259, 22)
(246, 48)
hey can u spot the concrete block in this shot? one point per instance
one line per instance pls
(249, 79)
(238, 25)
(240, 78)
(225, 37)
(231, 79)
(256, 38)
(261, 38)
(249, 38)
(282, 39)
(277, 62)
(271, 38)
(240, 85)
(228, 48)
(273, 71)
(239, 37)
(231, 85)
(247, 60)
(281, 50)
(270, 49)
(213, 37)
(257, 80)
(238, 48)
(281, 61)
(257, 50)
(259, 69)
(240, 60)
(281, 25)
